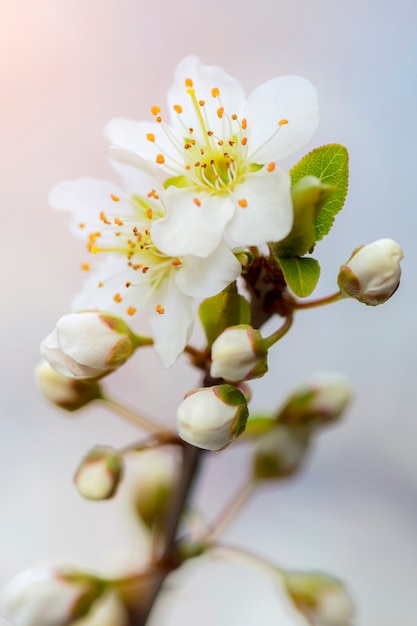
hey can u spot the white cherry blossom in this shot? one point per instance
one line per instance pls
(217, 156)
(134, 274)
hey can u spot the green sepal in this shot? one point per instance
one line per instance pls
(330, 164)
(177, 181)
(258, 425)
(309, 195)
(225, 309)
(301, 274)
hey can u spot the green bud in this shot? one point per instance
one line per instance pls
(279, 453)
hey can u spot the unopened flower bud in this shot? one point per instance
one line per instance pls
(322, 599)
(88, 344)
(155, 477)
(239, 353)
(67, 393)
(50, 596)
(279, 453)
(211, 417)
(372, 274)
(318, 400)
(99, 474)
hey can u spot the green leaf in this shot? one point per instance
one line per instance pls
(227, 308)
(330, 164)
(301, 274)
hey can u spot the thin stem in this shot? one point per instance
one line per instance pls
(163, 438)
(233, 507)
(334, 297)
(278, 334)
(246, 556)
(132, 416)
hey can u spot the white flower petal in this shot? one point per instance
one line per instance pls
(268, 215)
(86, 198)
(204, 277)
(132, 135)
(205, 78)
(290, 98)
(172, 329)
(194, 223)
(138, 176)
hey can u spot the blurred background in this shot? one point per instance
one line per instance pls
(66, 68)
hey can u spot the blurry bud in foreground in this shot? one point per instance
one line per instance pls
(211, 417)
(67, 393)
(109, 610)
(279, 453)
(50, 596)
(99, 474)
(153, 479)
(239, 353)
(318, 400)
(88, 344)
(372, 274)
(321, 598)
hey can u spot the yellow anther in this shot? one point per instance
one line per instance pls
(82, 225)
(188, 82)
(127, 284)
(201, 103)
(114, 197)
(117, 297)
(282, 122)
(100, 284)
(220, 112)
(270, 167)
(177, 262)
(131, 310)
(85, 267)
(215, 92)
(160, 159)
(244, 141)
(244, 124)
(178, 108)
(150, 137)
(160, 309)
(155, 110)
(243, 203)
(197, 202)
(118, 221)
(149, 214)
(234, 116)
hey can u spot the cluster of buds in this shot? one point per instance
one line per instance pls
(283, 440)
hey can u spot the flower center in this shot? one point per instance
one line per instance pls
(203, 159)
(130, 236)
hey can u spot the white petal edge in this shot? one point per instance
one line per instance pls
(290, 98)
(194, 223)
(268, 215)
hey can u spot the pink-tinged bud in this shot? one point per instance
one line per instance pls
(321, 399)
(372, 274)
(321, 598)
(99, 474)
(211, 417)
(50, 596)
(239, 353)
(279, 452)
(88, 344)
(67, 393)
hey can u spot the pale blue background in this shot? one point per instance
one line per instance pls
(66, 67)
